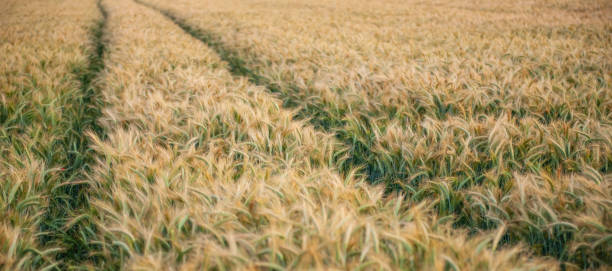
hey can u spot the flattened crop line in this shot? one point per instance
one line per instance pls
(65, 224)
(236, 65)
(323, 116)
(358, 151)
(327, 120)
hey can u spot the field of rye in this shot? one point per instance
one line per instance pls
(301, 135)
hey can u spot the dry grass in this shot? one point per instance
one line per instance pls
(447, 135)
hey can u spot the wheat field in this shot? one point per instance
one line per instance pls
(306, 135)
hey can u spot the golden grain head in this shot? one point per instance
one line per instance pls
(189, 135)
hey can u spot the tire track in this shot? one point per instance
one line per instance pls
(66, 223)
(357, 152)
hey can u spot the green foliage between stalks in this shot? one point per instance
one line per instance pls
(275, 135)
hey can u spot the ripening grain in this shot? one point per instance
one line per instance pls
(462, 102)
(43, 46)
(201, 170)
(301, 135)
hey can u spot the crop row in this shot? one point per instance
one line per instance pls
(459, 110)
(51, 52)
